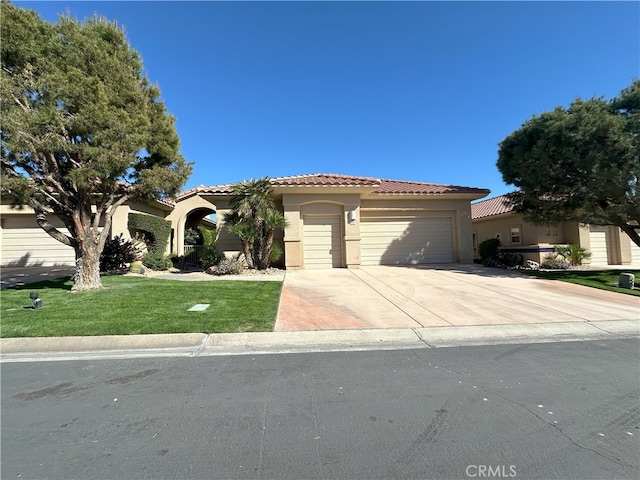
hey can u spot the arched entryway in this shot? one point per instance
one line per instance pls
(190, 212)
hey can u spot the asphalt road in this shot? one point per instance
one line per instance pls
(537, 411)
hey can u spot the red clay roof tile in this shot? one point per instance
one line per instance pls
(388, 187)
(490, 207)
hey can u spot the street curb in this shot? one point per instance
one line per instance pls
(101, 343)
(314, 337)
(527, 333)
(200, 344)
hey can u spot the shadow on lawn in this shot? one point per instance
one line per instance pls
(63, 283)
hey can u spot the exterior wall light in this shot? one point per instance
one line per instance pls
(352, 217)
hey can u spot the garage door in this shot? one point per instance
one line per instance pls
(24, 243)
(322, 242)
(635, 255)
(599, 239)
(388, 241)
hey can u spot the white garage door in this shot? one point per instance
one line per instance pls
(635, 255)
(388, 241)
(599, 240)
(322, 241)
(24, 243)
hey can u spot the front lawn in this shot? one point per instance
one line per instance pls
(602, 279)
(136, 305)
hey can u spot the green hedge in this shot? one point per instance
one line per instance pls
(159, 228)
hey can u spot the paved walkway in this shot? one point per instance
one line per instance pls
(439, 296)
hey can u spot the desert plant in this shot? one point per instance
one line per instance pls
(117, 253)
(574, 254)
(228, 266)
(554, 262)
(489, 248)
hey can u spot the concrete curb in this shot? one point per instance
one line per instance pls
(101, 343)
(200, 344)
(527, 333)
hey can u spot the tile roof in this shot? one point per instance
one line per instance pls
(383, 187)
(326, 179)
(490, 207)
(395, 187)
(206, 190)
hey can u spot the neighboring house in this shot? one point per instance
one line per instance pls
(495, 218)
(24, 243)
(347, 221)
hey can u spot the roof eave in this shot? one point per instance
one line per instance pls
(362, 190)
(444, 195)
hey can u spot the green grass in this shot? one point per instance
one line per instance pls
(602, 279)
(135, 305)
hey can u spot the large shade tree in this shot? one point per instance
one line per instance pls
(253, 219)
(580, 163)
(82, 130)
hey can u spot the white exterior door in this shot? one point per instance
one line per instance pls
(389, 241)
(322, 241)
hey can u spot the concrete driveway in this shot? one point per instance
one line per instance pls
(438, 295)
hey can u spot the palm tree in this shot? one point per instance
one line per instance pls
(253, 218)
(272, 220)
(245, 232)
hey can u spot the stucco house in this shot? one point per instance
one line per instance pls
(333, 221)
(347, 221)
(495, 218)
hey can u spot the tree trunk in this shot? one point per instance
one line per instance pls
(266, 250)
(632, 232)
(247, 253)
(87, 274)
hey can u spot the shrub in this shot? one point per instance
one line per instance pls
(489, 248)
(209, 255)
(177, 261)
(573, 253)
(276, 253)
(228, 266)
(192, 236)
(117, 253)
(511, 259)
(156, 261)
(554, 262)
(154, 231)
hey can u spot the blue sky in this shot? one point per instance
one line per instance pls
(419, 91)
